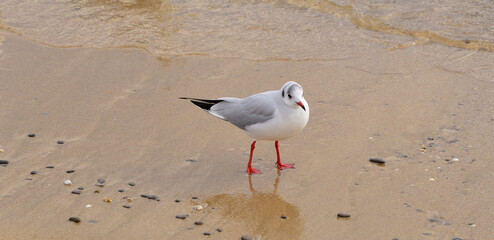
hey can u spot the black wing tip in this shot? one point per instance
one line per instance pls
(205, 104)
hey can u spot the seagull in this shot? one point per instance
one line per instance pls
(272, 115)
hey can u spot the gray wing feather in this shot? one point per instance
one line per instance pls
(244, 112)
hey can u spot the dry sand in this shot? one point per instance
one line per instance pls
(118, 113)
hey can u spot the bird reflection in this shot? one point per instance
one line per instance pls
(262, 213)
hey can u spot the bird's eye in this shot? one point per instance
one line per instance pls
(289, 96)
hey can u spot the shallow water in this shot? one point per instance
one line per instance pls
(257, 30)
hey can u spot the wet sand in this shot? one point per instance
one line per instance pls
(417, 106)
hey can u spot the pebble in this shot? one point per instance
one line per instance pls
(177, 200)
(195, 198)
(99, 185)
(92, 221)
(456, 239)
(182, 216)
(438, 220)
(198, 223)
(80, 188)
(75, 219)
(29, 179)
(31, 135)
(4, 162)
(377, 160)
(219, 229)
(207, 233)
(191, 160)
(34, 172)
(76, 192)
(101, 180)
(455, 159)
(284, 217)
(343, 215)
(246, 237)
(132, 184)
(96, 191)
(88, 206)
(198, 207)
(154, 197)
(49, 167)
(60, 142)
(107, 200)
(70, 171)
(121, 190)
(144, 195)
(127, 206)
(432, 179)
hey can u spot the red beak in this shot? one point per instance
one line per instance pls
(301, 105)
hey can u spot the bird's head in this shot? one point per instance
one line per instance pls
(293, 95)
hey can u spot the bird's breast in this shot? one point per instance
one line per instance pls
(284, 125)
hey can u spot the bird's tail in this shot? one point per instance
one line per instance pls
(205, 104)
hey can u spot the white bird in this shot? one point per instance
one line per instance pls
(273, 115)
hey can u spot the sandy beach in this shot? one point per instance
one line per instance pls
(105, 105)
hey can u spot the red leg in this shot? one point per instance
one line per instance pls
(250, 169)
(278, 163)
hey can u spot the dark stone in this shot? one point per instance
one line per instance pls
(50, 167)
(207, 233)
(379, 161)
(144, 195)
(34, 172)
(456, 239)
(246, 237)
(76, 192)
(153, 197)
(284, 217)
(219, 229)
(75, 219)
(29, 179)
(343, 215)
(127, 206)
(80, 188)
(195, 198)
(70, 171)
(121, 190)
(191, 160)
(198, 223)
(60, 142)
(182, 216)
(177, 200)
(132, 184)
(31, 135)
(4, 162)
(101, 180)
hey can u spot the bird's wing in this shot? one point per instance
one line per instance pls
(257, 108)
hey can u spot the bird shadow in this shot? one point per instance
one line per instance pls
(262, 213)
